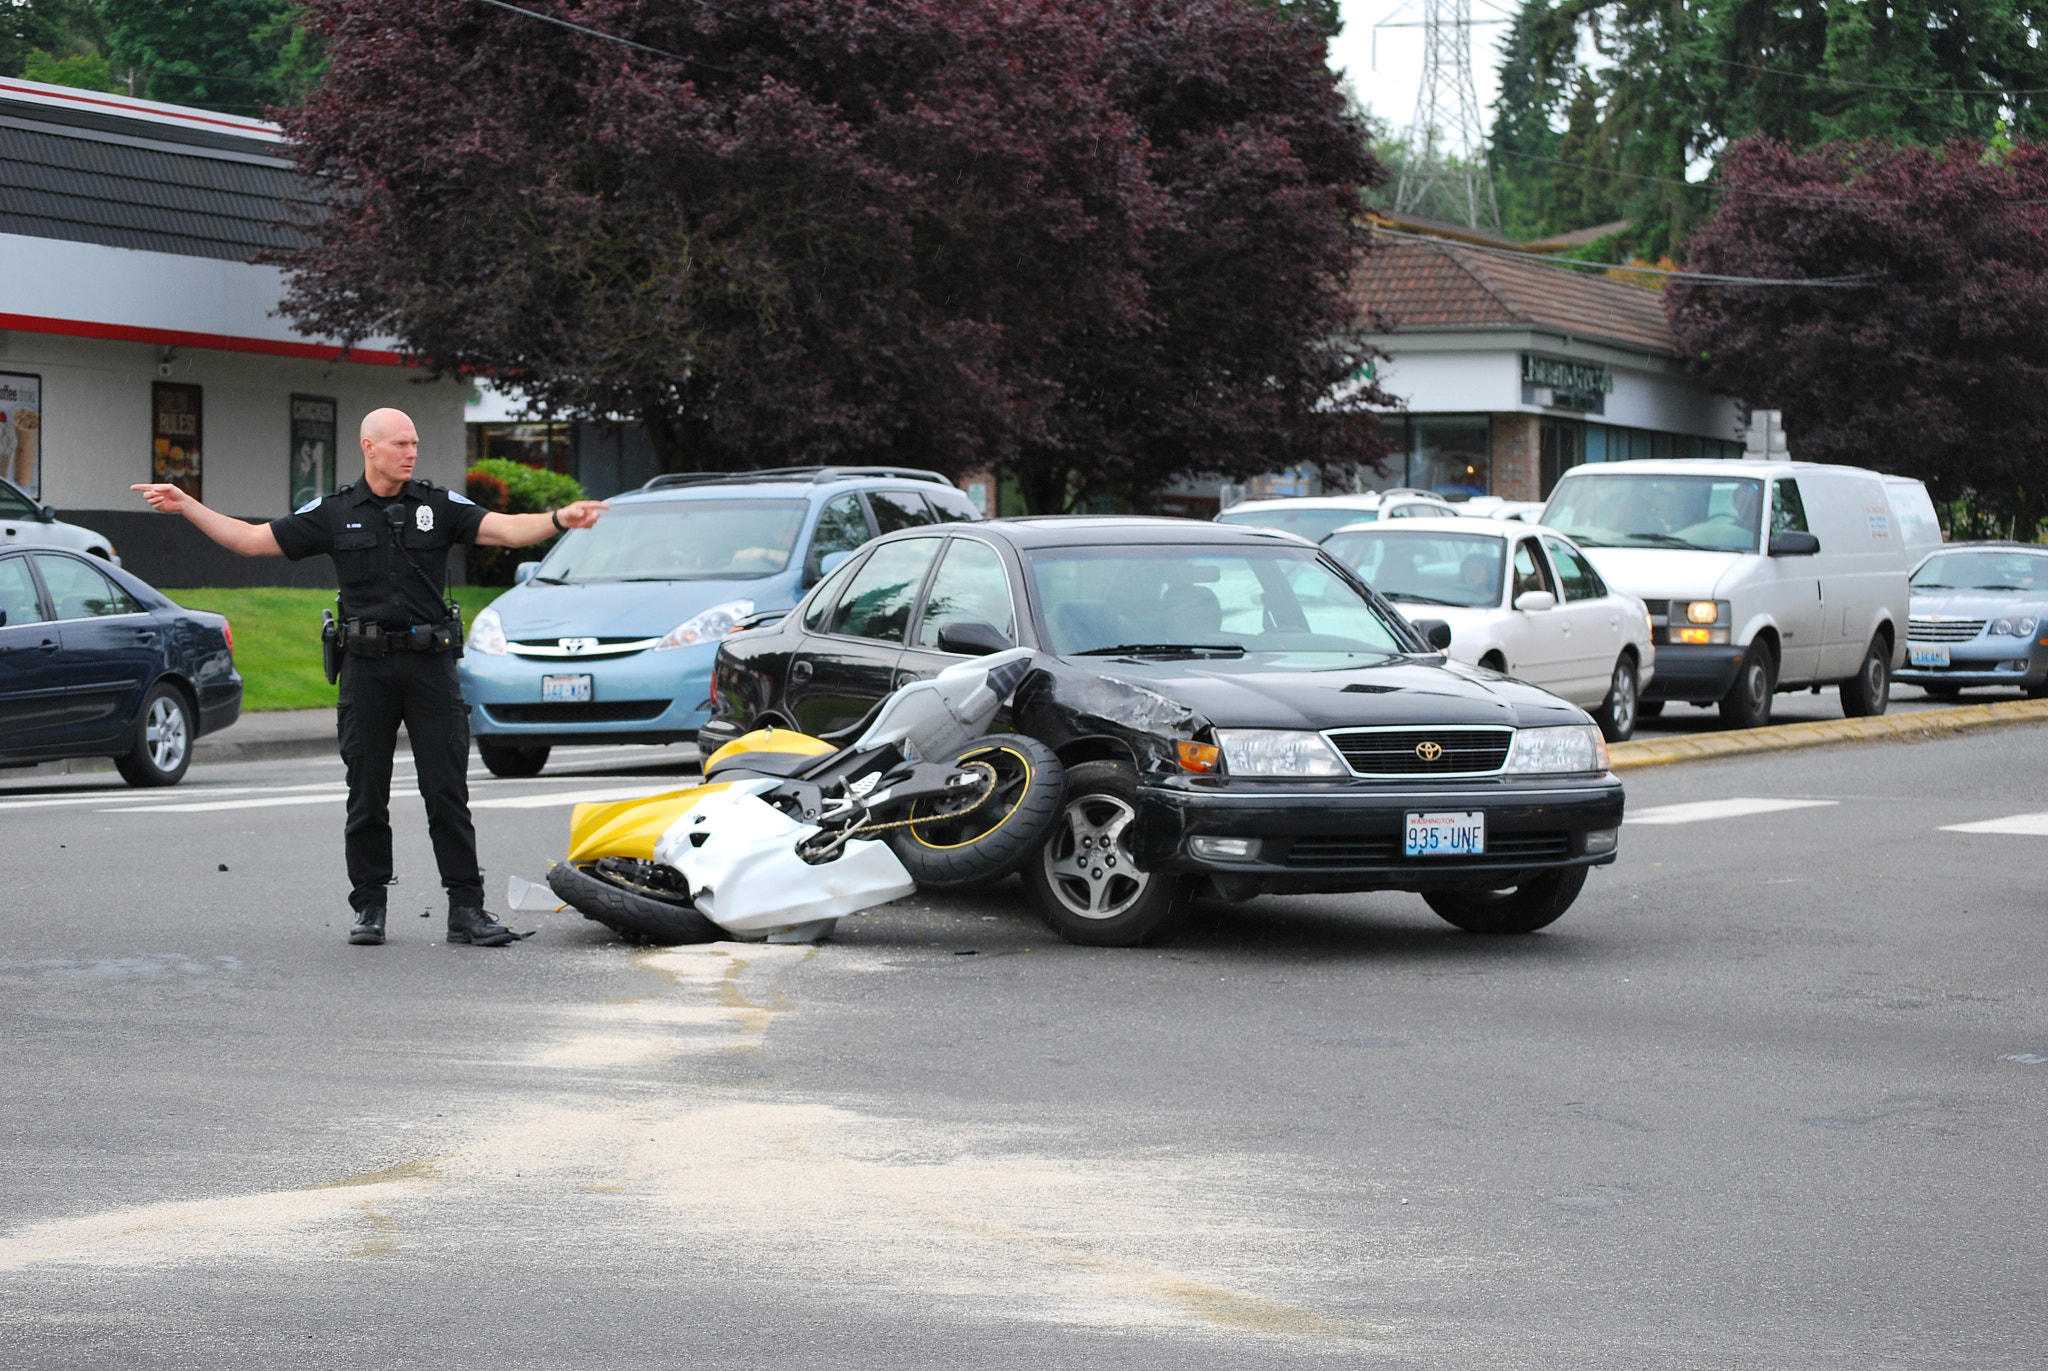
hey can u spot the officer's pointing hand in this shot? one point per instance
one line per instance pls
(168, 499)
(582, 514)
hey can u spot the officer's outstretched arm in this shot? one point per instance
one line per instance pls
(524, 530)
(251, 540)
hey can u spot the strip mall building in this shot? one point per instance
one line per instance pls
(139, 343)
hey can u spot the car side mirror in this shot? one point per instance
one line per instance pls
(1435, 632)
(824, 566)
(48, 514)
(972, 638)
(1794, 545)
(1535, 601)
(524, 572)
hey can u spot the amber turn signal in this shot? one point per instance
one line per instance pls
(1199, 757)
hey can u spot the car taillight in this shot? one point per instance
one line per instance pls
(227, 631)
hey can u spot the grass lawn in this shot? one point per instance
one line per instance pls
(277, 639)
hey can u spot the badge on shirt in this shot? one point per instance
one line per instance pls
(424, 517)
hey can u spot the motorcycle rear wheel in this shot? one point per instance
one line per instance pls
(631, 913)
(996, 837)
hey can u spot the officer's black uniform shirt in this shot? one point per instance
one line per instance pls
(353, 526)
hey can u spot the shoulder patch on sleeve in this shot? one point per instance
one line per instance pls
(459, 498)
(309, 506)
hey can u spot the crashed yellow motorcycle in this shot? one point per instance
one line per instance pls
(787, 834)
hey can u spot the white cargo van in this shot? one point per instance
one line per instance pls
(1760, 576)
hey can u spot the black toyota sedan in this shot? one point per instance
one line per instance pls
(1237, 713)
(95, 663)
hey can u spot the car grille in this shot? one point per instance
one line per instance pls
(589, 712)
(552, 649)
(1947, 631)
(1401, 751)
(1659, 609)
(1311, 853)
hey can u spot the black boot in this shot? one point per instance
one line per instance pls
(470, 925)
(369, 927)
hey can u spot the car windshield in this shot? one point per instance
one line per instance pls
(1424, 568)
(1203, 600)
(1312, 524)
(1982, 571)
(679, 540)
(1709, 513)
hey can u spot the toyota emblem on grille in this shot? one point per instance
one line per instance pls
(1428, 751)
(572, 646)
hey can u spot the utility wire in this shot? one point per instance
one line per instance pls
(614, 38)
(1569, 264)
(1720, 187)
(1847, 83)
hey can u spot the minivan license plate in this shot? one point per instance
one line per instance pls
(1446, 835)
(565, 690)
(1927, 654)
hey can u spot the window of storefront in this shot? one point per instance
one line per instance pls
(1451, 454)
(1562, 447)
(552, 447)
(1609, 443)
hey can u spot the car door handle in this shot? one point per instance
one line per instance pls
(800, 672)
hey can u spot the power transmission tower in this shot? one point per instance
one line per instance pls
(1447, 160)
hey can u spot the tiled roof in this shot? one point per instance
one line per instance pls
(1421, 286)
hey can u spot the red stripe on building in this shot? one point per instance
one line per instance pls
(214, 342)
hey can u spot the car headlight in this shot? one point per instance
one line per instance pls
(1574, 747)
(487, 634)
(2018, 628)
(1278, 752)
(708, 627)
(1703, 612)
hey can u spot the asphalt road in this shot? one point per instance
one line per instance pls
(1772, 1095)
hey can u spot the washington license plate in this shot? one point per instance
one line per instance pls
(1927, 654)
(1445, 835)
(565, 690)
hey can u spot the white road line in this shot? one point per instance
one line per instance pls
(575, 797)
(111, 797)
(210, 806)
(2025, 825)
(1701, 810)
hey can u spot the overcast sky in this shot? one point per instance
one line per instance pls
(1390, 91)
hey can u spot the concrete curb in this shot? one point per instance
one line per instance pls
(1917, 726)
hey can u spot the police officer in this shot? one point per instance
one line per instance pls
(389, 535)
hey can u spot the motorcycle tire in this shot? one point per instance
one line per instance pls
(996, 837)
(632, 915)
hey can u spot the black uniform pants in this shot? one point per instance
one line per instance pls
(420, 690)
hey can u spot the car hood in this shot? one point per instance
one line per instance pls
(1977, 604)
(1664, 573)
(620, 609)
(1254, 692)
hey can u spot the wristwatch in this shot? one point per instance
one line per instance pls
(555, 517)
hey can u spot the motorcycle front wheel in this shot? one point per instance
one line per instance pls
(632, 909)
(947, 848)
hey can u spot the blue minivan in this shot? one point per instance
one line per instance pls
(610, 638)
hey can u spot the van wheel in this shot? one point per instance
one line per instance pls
(1748, 702)
(1531, 905)
(1083, 879)
(502, 759)
(1617, 713)
(1870, 689)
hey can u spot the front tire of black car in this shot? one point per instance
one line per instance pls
(1748, 702)
(510, 761)
(163, 739)
(1086, 885)
(1531, 905)
(1868, 692)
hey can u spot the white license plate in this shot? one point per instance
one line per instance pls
(565, 690)
(1445, 835)
(1927, 654)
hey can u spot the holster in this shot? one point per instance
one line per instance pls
(330, 646)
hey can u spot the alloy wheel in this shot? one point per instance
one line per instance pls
(1622, 699)
(1086, 863)
(164, 734)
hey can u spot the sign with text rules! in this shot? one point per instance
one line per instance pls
(174, 452)
(21, 431)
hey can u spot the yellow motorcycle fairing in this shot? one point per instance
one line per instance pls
(786, 741)
(630, 828)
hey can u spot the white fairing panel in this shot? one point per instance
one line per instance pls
(738, 854)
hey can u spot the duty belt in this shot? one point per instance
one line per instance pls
(360, 638)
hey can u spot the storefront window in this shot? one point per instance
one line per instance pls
(1563, 447)
(552, 447)
(1451, 455)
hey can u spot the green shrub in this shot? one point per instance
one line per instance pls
(527, 490)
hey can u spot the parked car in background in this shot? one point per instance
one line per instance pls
(1316, 517)
(94, 663)
(1493, 507)
(1520, 600)
(1759, 576)
(1236, 712)
(24, 523)
(1979, 618)
(610, 638)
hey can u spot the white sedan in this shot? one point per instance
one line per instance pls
(24, 523)
(1520, 600)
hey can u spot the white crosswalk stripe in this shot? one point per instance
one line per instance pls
(2025, 825)
(1698, 811)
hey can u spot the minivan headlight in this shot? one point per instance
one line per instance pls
(487, 634)
(1573, 747)
(713, 624)
(1278, 752)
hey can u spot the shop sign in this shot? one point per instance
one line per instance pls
(174, 455)
(21, 431)
(1572, 385)
(313, 455)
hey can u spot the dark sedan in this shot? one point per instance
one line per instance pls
(1235, 710)
(94, 663)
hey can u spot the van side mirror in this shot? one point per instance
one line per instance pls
(1535, 601)
(1435, 632)
(524, 572)
(1794, 545)
(817, 571)
(972, 638)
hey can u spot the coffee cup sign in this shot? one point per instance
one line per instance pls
(21, 431)
(175, 447)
